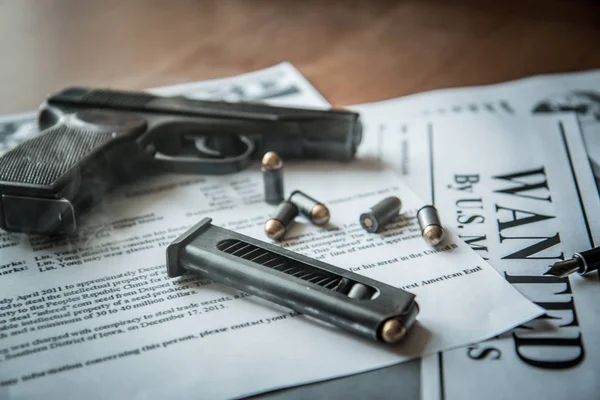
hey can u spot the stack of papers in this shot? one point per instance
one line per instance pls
(510, 168)
(515, 193)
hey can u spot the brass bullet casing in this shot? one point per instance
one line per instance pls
(433, 234)
(276, 227)
(431, 227)
(312, 209)
(380, 214)
(392, 331)
(272, 172)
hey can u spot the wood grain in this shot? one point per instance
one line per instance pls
(352, 51)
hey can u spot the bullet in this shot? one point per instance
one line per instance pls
(380, 214)
(272, 171)
(276, 227)
(392, 331)
(312, 209)
(431, 227)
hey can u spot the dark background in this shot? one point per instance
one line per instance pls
(352, 51)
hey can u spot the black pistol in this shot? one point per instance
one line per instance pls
(92, 140)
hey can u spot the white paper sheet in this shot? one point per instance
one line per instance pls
(108, 323)
(462, 163)
(545, 94)
(462, 299)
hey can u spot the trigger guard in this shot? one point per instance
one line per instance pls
(202, 145)
(207, 166)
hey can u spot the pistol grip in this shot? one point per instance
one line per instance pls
(46, 181)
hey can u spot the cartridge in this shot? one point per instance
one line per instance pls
(272, 172)
(380, 214)
(431, 227)
(312, 209)
(277, 226)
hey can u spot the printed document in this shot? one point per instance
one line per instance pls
(520, 192)
(96, 316)
(540, 95)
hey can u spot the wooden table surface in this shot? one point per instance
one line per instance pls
(352, 51)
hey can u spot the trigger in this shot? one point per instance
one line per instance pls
(220, 145)
(200, 143)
